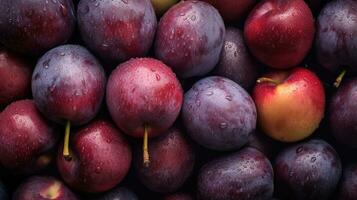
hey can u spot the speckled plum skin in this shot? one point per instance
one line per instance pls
(38, 187)
(348, 183)
(118, 193)
(233, 10)
(246, 174)
(172, 161)
(342, 115)
(190, 38)
(117, 30)
(336, 43)
(101, 158)
(15, 76)
(68, 83)
(33, 27)
(280, 33)
(309, 170)
(219, 114)
(144, 91)
(178, 196)
(24, 136)
(235, 62)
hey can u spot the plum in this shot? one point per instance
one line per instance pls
(117, 29)
(308, 170)
(144, 98)
(178, 196)
(26, 138)
(43, 188)
(218, 113)
(3, 192)
(118, 193)
(347, 189)
(172, 163)
(236, 62)
(280, 33)
(101, 158)
(15, 74)
(342, 115)
(33, 27)
(336, 43)
(190, 38)
(233, 10)
(246, 174)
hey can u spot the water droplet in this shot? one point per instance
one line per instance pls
(198, 102)
(125, 1)
(223, 125)
(46, 64)
(209, 93)
(96, 4)
(97, 170)
(54, 1)
(229, 98)
(193, 17)
(299, 150)
(64, 10)
(62, 54)
(157, 77)
(182, 14)
(313, 159)
(153, 70)
(52, 88)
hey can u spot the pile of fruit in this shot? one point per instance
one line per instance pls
(178, 100)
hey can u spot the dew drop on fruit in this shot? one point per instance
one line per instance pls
(125, 1)
(229, 98)
(198, 103)
(313, 159)
(157, 77)
(97, 170)
(223, 125)
(96, 4)
(210, 93)
(64, 10)
(46, 63)
(85, 9)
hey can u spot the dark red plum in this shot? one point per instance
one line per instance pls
(101, 158)
(219, 114)
(342, 115)
(233, 10)
(15, 74)
(178, 196)
(116, 29)
(309, 170)
(280, 33)
(144, 98)
(348, 183)
(43, 188)
(68, 84)
(26, 138)
(33, 27)
(118, 193)
(336, 44)
(189, 38)
(246, 174)
(236, 62)
(172, 162)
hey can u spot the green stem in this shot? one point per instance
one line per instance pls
(338, 80)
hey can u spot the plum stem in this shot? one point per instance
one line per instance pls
(339, 78)
(269, 80)
(146, 157)
(66, 153)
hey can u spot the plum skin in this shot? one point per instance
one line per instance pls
(219, 114)
(190, 38)
(15, 74)
(172, 162)
(348, 183)
(24, 137)
(33, 27)
(144, 91)
(246, 174)
(235, 61)
(335, 42)
(101, 158)
(117, 30)
(342, 115)
(308, 170)
(68, 84)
